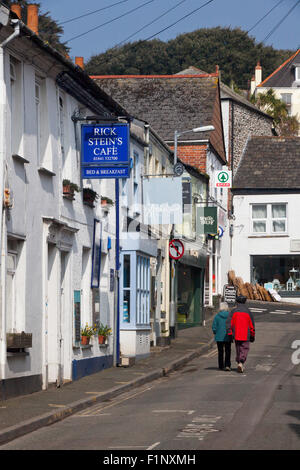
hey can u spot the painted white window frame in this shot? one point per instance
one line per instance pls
(269, 219)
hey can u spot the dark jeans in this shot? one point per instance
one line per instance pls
(224, 345)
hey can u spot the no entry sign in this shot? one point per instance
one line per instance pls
(176, 249)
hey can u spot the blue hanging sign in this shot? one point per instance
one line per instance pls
(105, 144)
(90, 172)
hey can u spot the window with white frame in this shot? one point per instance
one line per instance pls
(297, 73)
(287, 99)
(269, 218)
(15, 294)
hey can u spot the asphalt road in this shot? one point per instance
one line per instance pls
(200, 407)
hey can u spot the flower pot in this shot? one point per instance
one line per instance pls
(85, 340)
(101, 339)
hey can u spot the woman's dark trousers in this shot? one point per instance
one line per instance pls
(224, 346)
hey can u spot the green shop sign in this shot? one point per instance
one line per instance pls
(207, 220)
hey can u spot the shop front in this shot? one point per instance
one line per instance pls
(278, 272)
(190, 272)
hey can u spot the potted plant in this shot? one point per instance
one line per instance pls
(106, 201)
(86, 334)
(69, 189)
(103, 332)
(89, 196)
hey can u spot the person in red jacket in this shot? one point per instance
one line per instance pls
(241, 328)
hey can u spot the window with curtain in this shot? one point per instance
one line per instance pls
(269, 218)
(259, 218)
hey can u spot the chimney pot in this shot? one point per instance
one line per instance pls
(80, 62)
(16, 8)
(33, 17)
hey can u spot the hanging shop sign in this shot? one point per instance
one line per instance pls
(176, 249)
(105, 150)
(223, 179)
(207, 220)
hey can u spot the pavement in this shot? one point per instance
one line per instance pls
(24, 414)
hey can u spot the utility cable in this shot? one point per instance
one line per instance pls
(110, 21)
(92, 12)
(281, 21)
(180, 19)
(148, 24)
(156, 34)
(267, 14)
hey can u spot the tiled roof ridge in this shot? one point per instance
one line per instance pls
(279, 68)
(215, 74)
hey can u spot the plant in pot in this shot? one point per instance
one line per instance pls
(103, 332)
(86, 334)
(89, 196)
(70, 188)
(106, 201)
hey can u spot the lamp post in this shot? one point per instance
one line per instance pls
(173, 265)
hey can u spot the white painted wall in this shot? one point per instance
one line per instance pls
(245, 243)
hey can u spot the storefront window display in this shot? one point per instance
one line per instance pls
(279, 272)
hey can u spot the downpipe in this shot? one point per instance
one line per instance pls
(3, 114)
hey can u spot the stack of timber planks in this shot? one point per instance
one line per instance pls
(252, 292)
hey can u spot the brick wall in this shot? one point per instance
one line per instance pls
(193, 154)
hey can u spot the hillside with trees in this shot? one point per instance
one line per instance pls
(233, 50)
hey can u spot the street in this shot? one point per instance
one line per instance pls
(199, 407)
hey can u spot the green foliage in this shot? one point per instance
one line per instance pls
(233, 50)
(49, 30)
(285, 125)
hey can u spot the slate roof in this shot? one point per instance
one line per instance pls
(269, 163)
(284, 75)
(171, 102)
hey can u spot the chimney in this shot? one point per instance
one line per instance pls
(258, 74)
(16, 8)
(252, 86)
(33, 18)
(79, 61)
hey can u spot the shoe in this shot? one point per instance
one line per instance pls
(240, 368)
(227, 368)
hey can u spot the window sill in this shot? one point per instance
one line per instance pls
(45, 171)
(17, 353)
(269, 236)
(20, 159)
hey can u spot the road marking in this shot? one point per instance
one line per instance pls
(127, 447)
(199, 428)
(211, 353)
(295, 313)
(258, 309)
(279, 313)
(96, 410)
(56, 406)
(153, 446)
(280, 310)
(189, 412)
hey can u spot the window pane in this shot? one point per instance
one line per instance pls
(278, 225)
(259, 211)
(259, 227)
(278, 211)
(126, 306)
(126, 272)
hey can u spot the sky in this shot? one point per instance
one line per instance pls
(225, 13)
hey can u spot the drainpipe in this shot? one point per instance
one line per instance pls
(3, 103)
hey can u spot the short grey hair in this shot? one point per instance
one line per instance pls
(223, 306)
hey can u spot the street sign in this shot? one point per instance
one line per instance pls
(90, 172)
(178, 169)
(176, 249)
(223, 179)
(220, 231)
(105, 144)
(229, 294)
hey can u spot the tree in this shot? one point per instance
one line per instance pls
(285, 125)
(49, 30)
(233, 50)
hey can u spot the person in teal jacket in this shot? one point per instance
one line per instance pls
(221, 337)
